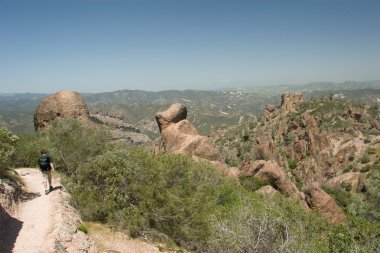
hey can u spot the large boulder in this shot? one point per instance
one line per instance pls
(321, 202)
(174, 114)
(179, 135)
(64, 104)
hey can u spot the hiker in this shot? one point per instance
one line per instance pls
(46, 166)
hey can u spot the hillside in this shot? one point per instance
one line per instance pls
(208, 109)
(334, 143)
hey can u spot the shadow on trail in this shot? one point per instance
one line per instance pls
(59, 187)
(9, 230)
(26, 196)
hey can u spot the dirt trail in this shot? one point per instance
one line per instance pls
(34, 214)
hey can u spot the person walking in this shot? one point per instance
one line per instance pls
(46, 166)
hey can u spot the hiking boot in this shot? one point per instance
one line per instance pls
(51, 188)
(47, 192)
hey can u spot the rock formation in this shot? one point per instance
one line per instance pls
(324, 204)
(270, 171)
(10, 194)
(290, 101)
(65, 236)
(64, 104)
(180, 136)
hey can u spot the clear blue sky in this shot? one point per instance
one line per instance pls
(106, 45)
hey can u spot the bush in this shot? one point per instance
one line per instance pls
(7, 145)
(150, 195)
(292, 164)
(365, 169)
(252, 183)
(371, 151)
(73, 143)
(365, 159)
(28, 150)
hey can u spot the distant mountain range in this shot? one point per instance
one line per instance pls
(207, 109)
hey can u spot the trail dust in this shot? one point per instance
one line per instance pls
(34, 215)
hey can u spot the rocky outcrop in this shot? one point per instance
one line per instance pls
(179, 135)
(174, 114)
(10, 194)
(64, 104)
(264, 148)
(290, 101)
(271, 112)
(321, 202)
(269, 170)
(65, 236)
(121, 132)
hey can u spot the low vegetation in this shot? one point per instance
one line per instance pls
(173, 199)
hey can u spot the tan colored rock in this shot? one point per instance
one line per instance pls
(264, 147)
(290, 101)
(269, 170)
(344, 152)
(174, 114)
(271, 112)
(180, 137)
(267, 190)
(64, 104)
(300, 148)
(351, 178)
(321, 202)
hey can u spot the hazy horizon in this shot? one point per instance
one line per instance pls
(95, 46)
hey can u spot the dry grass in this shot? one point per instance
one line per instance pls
(108, 239)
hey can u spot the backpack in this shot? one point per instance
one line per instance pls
(44, 162)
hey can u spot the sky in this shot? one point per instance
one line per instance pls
(107, 45)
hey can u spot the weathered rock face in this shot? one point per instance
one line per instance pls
(290, 101)
(270, 171)
(264, 148)
(65, 236)
(64, 104)
(9, 198)
(324, 204)
(180, 136)
(174, 114)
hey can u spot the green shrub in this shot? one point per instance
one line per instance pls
(371, 151)
(150, 194)
(7, 148)
(7, 144)
(365, 159)
(82, 228)
(73, 143)
(292, 164)
(252, 183)
(348, 168)
(365, 169)
(28, 150)
(342, 198)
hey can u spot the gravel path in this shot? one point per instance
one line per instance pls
(28, 229)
